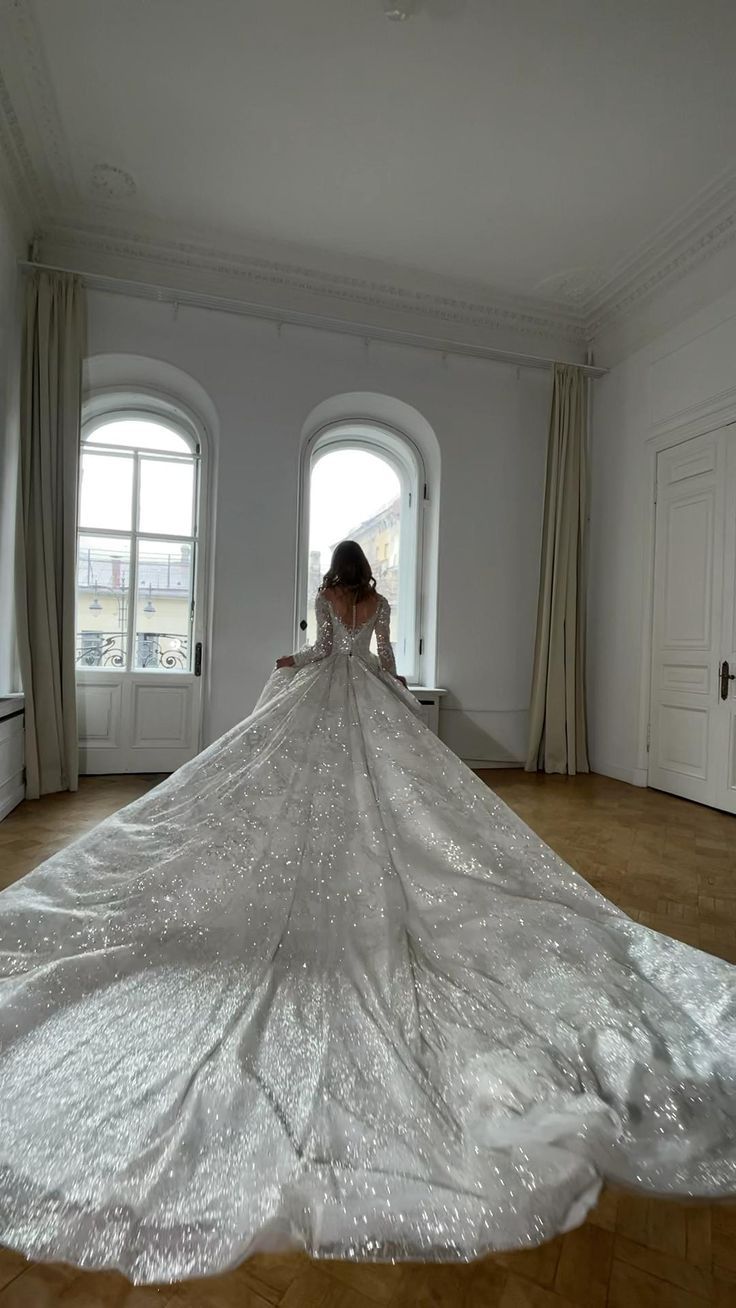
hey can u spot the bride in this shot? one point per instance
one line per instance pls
(321, 988)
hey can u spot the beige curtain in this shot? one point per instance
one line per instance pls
(53, 350)
(557, 723)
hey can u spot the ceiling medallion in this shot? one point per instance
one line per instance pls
(573, 286)
(396, 11)
(112, 183)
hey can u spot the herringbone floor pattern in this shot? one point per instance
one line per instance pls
(670, 864)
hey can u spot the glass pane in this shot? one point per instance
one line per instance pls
(139, 434)
(106, 491)
(163, 606)
(355, 495)
(103, 588)
(166, 496)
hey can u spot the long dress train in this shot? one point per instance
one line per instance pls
(322, 988)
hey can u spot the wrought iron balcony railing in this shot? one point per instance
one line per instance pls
(162, 651)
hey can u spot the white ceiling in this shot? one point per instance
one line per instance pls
(526, 148)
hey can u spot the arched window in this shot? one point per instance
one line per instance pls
(365, 481)
(137, 542)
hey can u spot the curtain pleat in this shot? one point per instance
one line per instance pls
(557, 716)
(53, 351)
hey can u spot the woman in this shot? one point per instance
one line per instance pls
(322, 988)
(349, 591)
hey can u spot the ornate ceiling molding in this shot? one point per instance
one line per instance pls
(702, 228)
(37, 175)
(30, 112)
(18, 177)
(526, 317)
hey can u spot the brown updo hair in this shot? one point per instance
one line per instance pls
(350, 570)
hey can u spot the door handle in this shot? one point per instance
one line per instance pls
(198, 659)
(726, 676)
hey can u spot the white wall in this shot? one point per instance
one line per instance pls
(12, 246)
(681, 383)
(491, 423)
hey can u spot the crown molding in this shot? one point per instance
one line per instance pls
(694, 235)
(20, 185)
(39, 155)
(96, 245)
(38, 183)
(698, 231)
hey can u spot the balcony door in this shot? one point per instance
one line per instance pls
(139, 582)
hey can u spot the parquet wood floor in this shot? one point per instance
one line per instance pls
(670, 864)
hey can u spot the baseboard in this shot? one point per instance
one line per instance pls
(632, 776)
(480, 763)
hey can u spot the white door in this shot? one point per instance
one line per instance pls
(139, 588)
(692, 749)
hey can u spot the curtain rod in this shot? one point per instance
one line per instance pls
(321, 322)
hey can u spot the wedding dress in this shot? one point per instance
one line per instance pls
(321, 988)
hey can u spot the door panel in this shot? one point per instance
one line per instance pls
(160, 715)
(130, 723)
(98, 714)
(688, 587)
(692, 677)
(683, 465)
(682, 740)
(731, 771)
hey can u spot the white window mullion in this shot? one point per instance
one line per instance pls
(133, 600)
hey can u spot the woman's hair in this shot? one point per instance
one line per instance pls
(350, 569)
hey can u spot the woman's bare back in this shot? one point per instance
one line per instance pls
(342, 602)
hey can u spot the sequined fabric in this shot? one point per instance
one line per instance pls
(334, 635)
(323, 989)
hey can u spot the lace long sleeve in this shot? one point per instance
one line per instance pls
(323, 644)
(383, 637)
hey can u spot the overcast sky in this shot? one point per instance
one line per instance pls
(348, 486)
(107, 486)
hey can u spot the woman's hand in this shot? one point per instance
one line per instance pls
(286, 661)
(402, 680)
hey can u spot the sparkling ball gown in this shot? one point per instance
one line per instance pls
(321, 988)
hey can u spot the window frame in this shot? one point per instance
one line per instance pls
(396, 448)
(107, 409)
